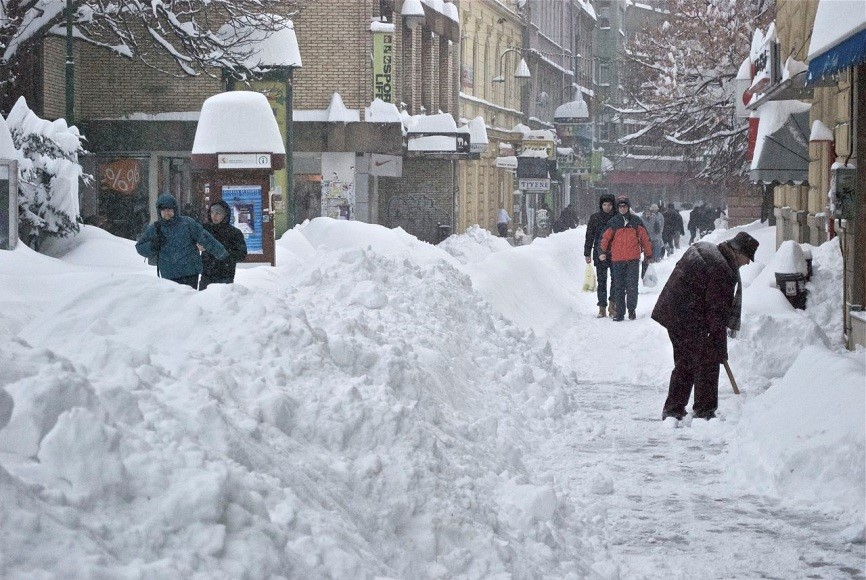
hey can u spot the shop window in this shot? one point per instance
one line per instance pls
(122, 199)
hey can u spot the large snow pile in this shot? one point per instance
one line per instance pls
(356, 413)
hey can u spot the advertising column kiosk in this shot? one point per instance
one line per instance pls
(236, 150)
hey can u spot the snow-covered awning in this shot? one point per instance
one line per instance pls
(571, 112)
(782, 144)
(838, 38)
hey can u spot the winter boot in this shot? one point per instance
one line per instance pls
(602, 312)
(611, 310)
(631, 315)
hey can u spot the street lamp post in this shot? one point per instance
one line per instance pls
(522, 71)
(70, 66)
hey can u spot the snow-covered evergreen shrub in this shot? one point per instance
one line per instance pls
(48, 173)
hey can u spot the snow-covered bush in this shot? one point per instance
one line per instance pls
(48, 172)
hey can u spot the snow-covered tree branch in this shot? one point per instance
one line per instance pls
(177, 37)
(682, 82)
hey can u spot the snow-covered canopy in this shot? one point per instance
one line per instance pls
(263, 50)
(237, 122)
(576, 109)
(836, 21)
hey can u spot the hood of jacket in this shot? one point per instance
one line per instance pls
(166, 201)
(225, 207)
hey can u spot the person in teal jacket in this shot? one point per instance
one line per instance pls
(174, 241)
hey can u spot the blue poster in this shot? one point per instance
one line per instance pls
(245, 202)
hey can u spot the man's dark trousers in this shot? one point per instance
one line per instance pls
(624, 278)
(692, 366)
(601, 270)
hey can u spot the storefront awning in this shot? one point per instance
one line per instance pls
(782, 147)
(838, 38)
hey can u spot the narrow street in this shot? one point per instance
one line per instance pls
(671, 510)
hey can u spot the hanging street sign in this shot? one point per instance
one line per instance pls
(538, 184)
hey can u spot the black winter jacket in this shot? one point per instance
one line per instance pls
(233, 240)
(594, 229)
(698, 299)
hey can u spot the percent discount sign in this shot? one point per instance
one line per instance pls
(123, 175)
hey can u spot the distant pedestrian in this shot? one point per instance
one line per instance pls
(502, 223)
(172, 240)
(216, 271)
(592, 248)
(654, 222)
(696, 220)
(673, 228)
(625, 238)
(567, 220)
(701, 299)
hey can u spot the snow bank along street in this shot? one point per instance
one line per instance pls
(375, 406)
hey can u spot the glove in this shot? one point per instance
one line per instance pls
(732, 333)
(588, 259)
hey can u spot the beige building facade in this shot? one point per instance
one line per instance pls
(492, 37)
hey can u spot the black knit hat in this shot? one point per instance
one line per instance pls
(623, 199)
(745, 244)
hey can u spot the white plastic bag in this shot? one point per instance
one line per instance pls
(650, 277)
(589, 280)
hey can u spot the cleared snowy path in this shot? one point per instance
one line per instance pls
(670, 511)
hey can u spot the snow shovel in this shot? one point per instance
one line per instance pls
(731, 378)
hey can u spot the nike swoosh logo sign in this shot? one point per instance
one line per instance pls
(380, 163)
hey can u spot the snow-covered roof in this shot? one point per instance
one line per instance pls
(381, 112)
(836, 21)
(377, 26)
(266, 50)
(439, 123)
(335, 113)
(237, 122)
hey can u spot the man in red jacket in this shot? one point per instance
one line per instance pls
(624, 239)
(701, 299)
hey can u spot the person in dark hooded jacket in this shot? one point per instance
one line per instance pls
(594, 228)
(700, 300)
(216, 271)
(173, 240)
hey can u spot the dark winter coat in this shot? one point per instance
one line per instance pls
(595, 228)
(233, 240)
(567, 220)
(175, 246)
(673, 225)
(696, 219)
(625, 238)
(698, 300)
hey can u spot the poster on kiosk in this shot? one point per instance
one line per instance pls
(245, 203)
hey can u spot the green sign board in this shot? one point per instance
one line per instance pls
(383, 66)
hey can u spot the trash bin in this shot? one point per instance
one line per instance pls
(442, 232)
(793, 286)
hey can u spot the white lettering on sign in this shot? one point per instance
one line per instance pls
(244, 160)
(533, 184)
